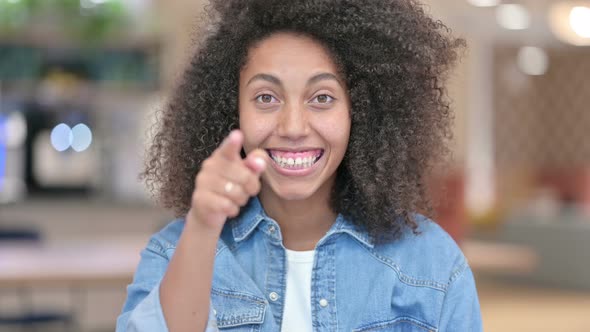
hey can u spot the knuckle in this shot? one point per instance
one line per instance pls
(235, 211)
(225, 203)
(243, 199)
(231, 210)
(222, 206)
(241, 177)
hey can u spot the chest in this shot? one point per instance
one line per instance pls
(351, 289)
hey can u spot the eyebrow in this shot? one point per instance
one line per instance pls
(275, 80)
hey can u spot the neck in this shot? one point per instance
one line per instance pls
(303, 222)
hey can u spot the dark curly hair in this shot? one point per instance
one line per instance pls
(394, 59)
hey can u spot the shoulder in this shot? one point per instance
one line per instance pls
(165, 240)
(429, 255)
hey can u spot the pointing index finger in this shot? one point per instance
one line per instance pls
(232, 145)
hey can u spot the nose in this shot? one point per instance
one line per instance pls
(293, 122)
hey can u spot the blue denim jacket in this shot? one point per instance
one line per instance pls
(417, 283)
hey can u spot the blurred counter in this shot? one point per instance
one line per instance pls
(80, 219)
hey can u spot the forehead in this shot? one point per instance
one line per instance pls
(287, 52)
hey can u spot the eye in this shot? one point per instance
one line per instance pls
(324, 99)
(265, 98)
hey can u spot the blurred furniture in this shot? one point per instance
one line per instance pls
(75, 265)
(19, 235)
(500, 258)
(571, 185)
(99, 262)
(561, 243)
(448, 194)
(29, 317)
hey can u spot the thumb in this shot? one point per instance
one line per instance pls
(257, 160)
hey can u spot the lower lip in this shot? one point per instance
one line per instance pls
(296, 172)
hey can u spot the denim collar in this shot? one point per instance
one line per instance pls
(253, 214)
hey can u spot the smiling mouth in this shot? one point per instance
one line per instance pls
(295, 160)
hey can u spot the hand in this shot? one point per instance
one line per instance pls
(225, 183)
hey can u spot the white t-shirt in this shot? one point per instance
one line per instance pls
(297, 312)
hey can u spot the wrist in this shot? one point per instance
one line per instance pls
(194, 224)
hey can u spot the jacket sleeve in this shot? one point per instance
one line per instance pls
(461, 310)
(142, 311)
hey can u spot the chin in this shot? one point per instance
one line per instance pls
(293, 194)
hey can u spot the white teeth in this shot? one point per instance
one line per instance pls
(297, 162)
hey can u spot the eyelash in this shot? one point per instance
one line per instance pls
(323, 94)
(264, 94)
(332, 99)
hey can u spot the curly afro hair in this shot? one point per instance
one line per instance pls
(394, 59)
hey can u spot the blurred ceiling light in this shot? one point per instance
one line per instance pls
(82, 137)
(484, 3)
(16, 130)
(570, 21)
(61, 137)
(79, 137)
(532, 60)
(580, 21)
(513, 17)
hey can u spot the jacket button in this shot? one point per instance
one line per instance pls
(272, 229)
(273, 296)
(324, 302)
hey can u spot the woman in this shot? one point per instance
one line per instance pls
(303, 219)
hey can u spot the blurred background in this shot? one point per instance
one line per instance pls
(81, 79)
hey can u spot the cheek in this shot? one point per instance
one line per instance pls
(337, 132)
(256, 129)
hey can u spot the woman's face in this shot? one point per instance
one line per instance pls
(293, 104)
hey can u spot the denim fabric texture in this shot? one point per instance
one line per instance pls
(420, 282)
